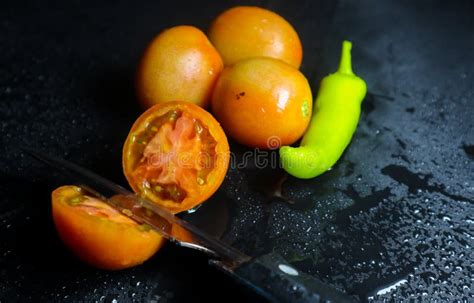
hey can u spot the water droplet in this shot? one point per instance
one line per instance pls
(446, 218)
(391, 287)
(288, 270)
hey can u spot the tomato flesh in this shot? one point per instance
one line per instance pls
(174, 155)
(97, 208)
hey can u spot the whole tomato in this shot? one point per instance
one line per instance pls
(179, 64)
(263, 102)
(245, 32)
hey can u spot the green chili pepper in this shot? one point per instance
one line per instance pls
(334, 121)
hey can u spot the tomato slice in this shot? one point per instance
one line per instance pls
(98, 234)
(176, 155)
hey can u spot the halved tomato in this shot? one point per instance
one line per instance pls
(98, 234)
(176, 155)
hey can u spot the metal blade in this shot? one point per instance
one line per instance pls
(144, 211)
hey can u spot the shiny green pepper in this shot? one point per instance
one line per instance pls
(335, 116)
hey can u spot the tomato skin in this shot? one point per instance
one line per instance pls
(98, 241)
(215, 177)
(179, 64)
(246, 32)
(263, 102)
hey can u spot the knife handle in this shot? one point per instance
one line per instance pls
(272, 277)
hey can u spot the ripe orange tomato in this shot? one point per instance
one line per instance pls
(179, 64)
(263, 102)
(93, 230)
(176, 155)
(245, 32)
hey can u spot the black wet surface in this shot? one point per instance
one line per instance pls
(396, 210)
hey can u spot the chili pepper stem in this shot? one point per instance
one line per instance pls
(345, 65)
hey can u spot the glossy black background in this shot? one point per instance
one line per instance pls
(66, 72)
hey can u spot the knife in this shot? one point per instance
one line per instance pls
(269, 275)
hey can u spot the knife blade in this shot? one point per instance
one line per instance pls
(144, 211)
(269, 275)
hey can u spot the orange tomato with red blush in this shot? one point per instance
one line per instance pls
(244, 32)
(263, 102)
(179, 64)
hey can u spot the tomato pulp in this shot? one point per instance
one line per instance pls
(176, 155)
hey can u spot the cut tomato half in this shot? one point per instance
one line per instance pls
(98, 234)
(176, 155)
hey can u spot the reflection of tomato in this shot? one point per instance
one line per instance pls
(245, 32)
(263, 102)
(176, 155)
(98, 234)
(179, 64)
(181, 234)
